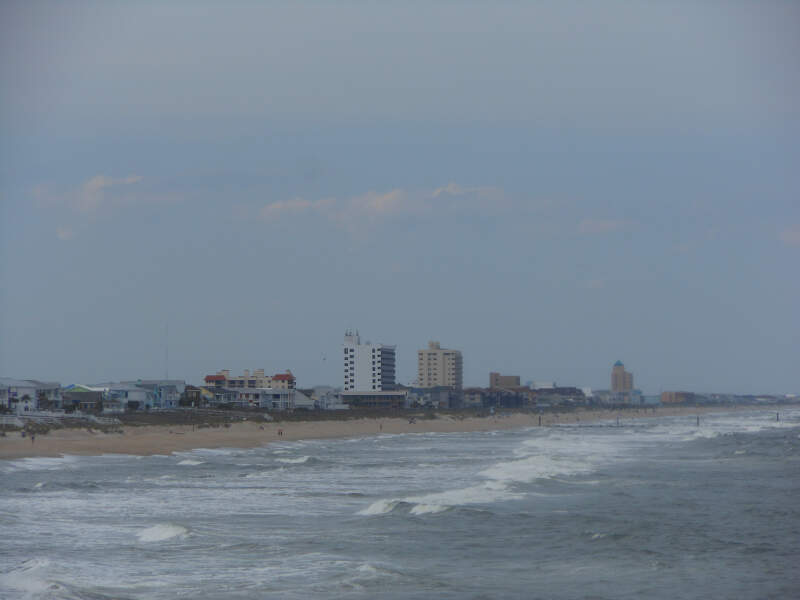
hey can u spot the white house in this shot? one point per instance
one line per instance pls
(131, 397)
(23, 395)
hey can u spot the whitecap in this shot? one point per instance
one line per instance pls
(42, 463)
(367, 568)
(293, 461)
(161, 532)
(485, 493)
(424, 509)
(191, 463)
(381, 507)
(27, 577)
(536, 467)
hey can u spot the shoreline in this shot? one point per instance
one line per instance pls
(167, 439)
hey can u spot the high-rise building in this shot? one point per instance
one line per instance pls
(621, 380)
(439, 366)
(367, 367)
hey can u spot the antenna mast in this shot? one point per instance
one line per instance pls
(166, 352)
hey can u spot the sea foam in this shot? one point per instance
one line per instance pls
(27, 577)
(161, 532)
(293, 461)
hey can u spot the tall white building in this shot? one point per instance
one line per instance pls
(367, 367)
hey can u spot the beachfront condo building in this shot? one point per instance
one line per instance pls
(621, 380)
(437, 366)
(497, 381)
(255, 380)
(367, 367)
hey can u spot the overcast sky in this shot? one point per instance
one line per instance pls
(546, 186)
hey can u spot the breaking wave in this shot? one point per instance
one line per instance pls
(294, 461)
(161, 532)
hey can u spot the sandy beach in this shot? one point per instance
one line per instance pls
(147, 440)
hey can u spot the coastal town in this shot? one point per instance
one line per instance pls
(369, 382)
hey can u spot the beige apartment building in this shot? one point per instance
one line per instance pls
(503, 381)
(437, 366)
(621, 380)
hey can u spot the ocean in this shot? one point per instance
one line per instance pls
(654, 508)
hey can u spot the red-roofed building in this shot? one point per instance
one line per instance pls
(215, 380)
(255, 380)
(283, 381)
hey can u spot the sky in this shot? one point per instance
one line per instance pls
(546, 186)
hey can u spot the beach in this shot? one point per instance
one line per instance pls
(167, 439)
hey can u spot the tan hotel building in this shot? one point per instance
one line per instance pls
(437, 366)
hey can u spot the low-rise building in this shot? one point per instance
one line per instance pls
(677, 397)
(394, 399)
(260, 398)
(82, 398)
(166, 392)
(560, 395)
(435, 397)
(326, 397)
(496, 380)
(28, 395)
(129, 396)
(192, 397)
(255, 380)
(497, 397)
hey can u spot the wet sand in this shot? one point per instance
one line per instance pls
(147, 440)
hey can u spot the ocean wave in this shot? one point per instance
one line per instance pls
(41, 463)
(426, 509)
(530, 469)
(161, 532)
(191, 463)
(27, 577)
(294, 461)
(381, 507)
(437, 502)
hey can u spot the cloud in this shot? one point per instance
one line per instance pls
(65, 233)
(99, 195)
(598, 226)
(374, 204)
(453, 189)
(92, 194)
(88, 197)
(790, 236)
(296, 206)
(368, 209)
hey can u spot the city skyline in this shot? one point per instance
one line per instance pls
(547, 189)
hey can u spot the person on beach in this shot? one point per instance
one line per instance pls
(33, 438)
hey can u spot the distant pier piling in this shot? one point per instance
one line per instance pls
(777, 416)
(698, 420)
(617, 420)
(540, 420)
